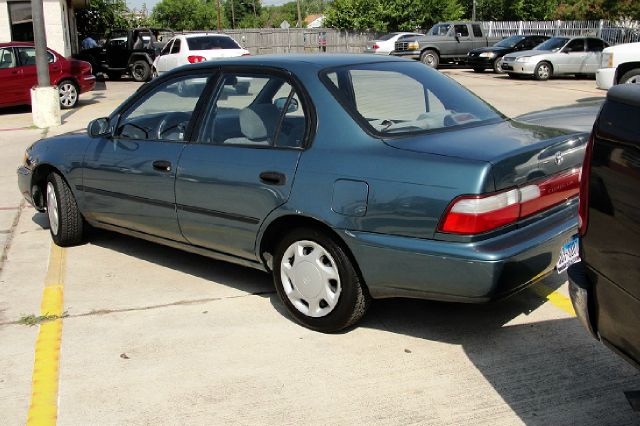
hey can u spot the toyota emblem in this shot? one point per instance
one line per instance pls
(559, 158)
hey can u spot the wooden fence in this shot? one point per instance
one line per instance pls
(317, 40)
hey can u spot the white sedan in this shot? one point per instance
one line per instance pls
(192, 48)
(385, 44)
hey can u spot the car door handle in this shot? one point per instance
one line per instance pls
(273, 178)
(162, 165)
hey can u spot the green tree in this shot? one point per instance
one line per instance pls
(101, 17)
(390, 15)
(188, 15)
(243, 13)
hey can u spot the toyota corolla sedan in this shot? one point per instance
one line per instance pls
(557, 56)
(347, 177)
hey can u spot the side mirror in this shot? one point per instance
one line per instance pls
(281, 102)
(458, 35)
(98, 127)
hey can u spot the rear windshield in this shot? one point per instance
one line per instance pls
(405, 98)
(211, 43)
(553, 43)
(387, 36)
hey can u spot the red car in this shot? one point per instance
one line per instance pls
(18, 75)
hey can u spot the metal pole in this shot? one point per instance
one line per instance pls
(219, 18)
(299, 14)
(40, 40)
(473, 12)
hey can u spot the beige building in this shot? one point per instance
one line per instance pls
(60, 24)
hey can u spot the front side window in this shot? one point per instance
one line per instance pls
(7, 58)
(167, 48)
(165, 113)
(27, 56)
(405, 98)
(575, 46)
(255, 110)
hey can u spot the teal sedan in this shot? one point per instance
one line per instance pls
(348, 177)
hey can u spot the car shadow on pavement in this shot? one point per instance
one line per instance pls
(548, 371)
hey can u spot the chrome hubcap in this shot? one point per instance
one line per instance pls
(52, 209)
(68, 94)
(634, 80)
(429, 60)
(543, 71)
(310, 278)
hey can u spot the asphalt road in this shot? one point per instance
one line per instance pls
(153, 335)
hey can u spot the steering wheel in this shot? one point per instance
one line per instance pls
(170, 123)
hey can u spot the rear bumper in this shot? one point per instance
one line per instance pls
(395, 266)
(581, 292)
(605, 78)
(87, 83)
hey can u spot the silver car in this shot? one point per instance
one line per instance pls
(557, 56)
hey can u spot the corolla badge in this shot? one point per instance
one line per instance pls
(559, 158)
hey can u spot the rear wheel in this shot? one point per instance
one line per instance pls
(543, 71)
(317, 281)
(65, 221)
(632, 77)
(69, 94)
(140, 71)
(430, 58)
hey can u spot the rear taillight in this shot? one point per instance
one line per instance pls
(481, 213)
(583, 208)
(195, 59)
(375, 47)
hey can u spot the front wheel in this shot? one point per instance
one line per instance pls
(140, 71)
(543, 71)
(497, 66)
(430, 58)
(65, 221)
(632, 77)
(69, 94)
(317, 282)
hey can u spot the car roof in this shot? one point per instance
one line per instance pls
(17, 43)
(190, 35)
(314, 60)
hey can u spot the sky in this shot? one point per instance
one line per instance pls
(137, 4)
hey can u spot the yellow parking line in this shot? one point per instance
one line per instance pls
(554, 297)
(44, 389)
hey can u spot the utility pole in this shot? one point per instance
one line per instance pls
(219, 18)
(45, 99)
(473, 12)
(299, 15)
(233, 17)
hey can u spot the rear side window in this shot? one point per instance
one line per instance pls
(404, 98)
(7, 59)
(477, 31)
(575, 45)
(462, 30)
(595, 45)
(27, 56)
(211, 43)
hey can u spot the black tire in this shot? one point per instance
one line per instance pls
(478, 69)
(69, 94)
(632, 76)
(543, 71)
(114, 75)
(141, 71)
(496, 66)
(353, 300)
(70, 223)
(430, 58)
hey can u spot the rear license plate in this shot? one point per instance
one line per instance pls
(569, 254)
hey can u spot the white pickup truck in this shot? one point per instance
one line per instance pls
(620, 64)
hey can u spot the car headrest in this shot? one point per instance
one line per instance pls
(259, 121)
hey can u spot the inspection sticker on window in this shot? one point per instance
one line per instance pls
(569, 254)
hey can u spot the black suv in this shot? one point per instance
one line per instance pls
(605, 285)
(127, 51)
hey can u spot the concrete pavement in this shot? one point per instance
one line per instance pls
(158, 336)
